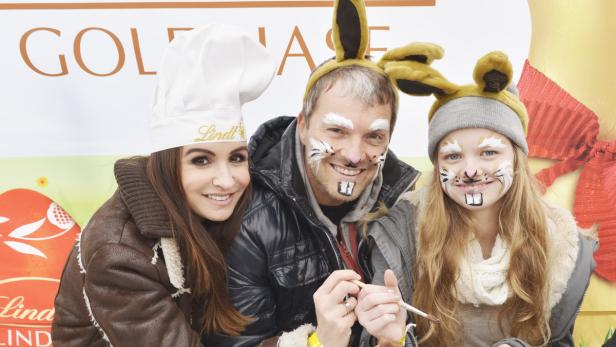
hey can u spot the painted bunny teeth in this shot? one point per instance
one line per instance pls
(474, 199)
(346, 188)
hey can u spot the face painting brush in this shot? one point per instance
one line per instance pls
(406, 306)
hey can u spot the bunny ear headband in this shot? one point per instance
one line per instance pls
(492, 75)
(491, 103)
(486, 104)
(350, 36)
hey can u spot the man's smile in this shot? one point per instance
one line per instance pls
(347, 171)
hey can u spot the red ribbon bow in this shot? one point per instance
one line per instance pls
(562, 128)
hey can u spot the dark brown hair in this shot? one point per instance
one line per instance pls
(202, 250)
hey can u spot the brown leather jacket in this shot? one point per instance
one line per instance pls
(123, 283)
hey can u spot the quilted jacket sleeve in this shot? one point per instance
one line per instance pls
(129, 302)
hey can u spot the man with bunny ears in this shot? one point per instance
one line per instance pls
(292, 266)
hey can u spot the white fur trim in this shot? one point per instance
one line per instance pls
(180, 292)
(173, 261)
(155, 250)
(297, 337)
(415, 197)
(563, 245)
(82, 268)
(92, 319)
(591, 233)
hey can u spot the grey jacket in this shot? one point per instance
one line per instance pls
(395, 247)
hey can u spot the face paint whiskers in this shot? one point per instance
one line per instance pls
(504, 174)
(447, 179)
(319, 150)
(379, 160)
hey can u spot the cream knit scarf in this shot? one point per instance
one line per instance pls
(484, 281)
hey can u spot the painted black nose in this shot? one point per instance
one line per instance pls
(470, 176)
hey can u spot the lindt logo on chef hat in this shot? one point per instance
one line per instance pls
(36, 236)
(210, 132)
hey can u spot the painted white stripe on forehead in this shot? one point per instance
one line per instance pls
(492, 142)
(338, 120)
(379, 124)
(450, 147)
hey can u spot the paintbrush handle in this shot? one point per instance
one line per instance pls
(412, 309)
(401, 303)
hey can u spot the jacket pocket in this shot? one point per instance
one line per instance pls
(297, 266)
(296, 274)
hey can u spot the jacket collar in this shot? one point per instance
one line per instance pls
(140, 198)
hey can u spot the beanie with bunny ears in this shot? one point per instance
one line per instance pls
(205, 77)
(491, 103)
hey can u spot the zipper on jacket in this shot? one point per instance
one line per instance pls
(328, 235)
(295, 206)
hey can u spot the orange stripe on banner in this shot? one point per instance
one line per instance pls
(214, 4)
(17, 279)
(24, 326)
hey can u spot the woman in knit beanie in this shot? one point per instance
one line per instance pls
(486, 255)
(149, 268)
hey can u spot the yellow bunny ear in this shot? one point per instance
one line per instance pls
(350, 29)
(416, 78)
(421, 52)
(493, 72)
(407, 67)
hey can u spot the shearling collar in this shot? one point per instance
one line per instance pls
(562, 251)
(142, 201)
(150, 216)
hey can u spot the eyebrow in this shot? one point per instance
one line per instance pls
(338, 120)
(379, 124)
(210, 153)
(450, 147)
(239, 149)
(198, 150)
(491, 141)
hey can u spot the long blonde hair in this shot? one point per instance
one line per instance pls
(444, 231)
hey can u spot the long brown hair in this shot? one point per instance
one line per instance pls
(202, 250)
(444, 230)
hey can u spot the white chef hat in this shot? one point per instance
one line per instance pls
(205, 77)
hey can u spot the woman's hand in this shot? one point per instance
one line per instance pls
(335, 315)
(379, 313)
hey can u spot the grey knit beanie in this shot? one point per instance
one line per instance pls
(491, 103)
(476, 112)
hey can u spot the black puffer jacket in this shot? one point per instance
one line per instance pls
(284, 252)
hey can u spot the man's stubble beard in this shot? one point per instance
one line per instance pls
(327, 185)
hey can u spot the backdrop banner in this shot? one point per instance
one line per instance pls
(77, 85)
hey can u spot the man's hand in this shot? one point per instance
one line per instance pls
(335, 316)
(379, 313)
